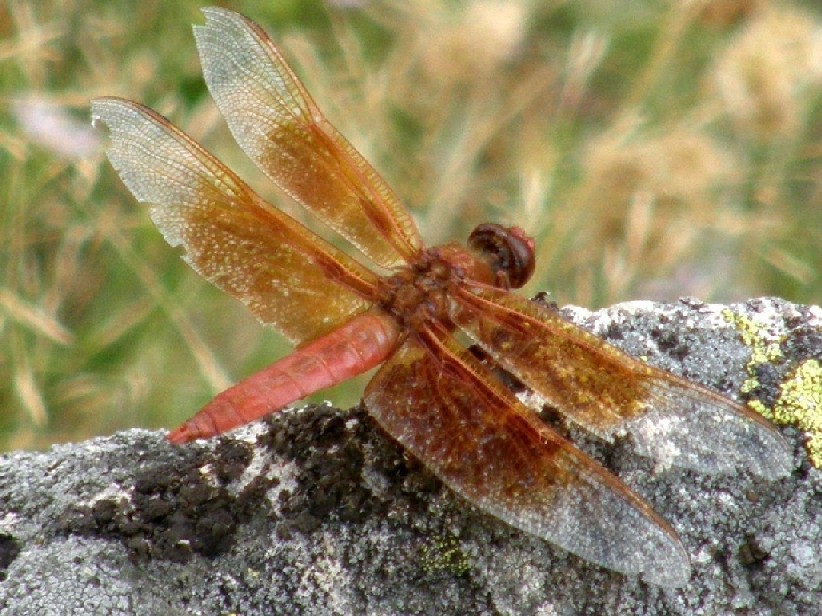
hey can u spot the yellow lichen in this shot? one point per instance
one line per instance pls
(763, 351)
(800, 399)
(800, 404)
(445, 554)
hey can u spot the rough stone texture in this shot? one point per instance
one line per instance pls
(316, 512)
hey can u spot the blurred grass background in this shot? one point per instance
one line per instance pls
(655, 149)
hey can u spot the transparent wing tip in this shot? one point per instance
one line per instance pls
(693, 428)
(675, 575)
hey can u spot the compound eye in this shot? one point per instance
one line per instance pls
(508, 250)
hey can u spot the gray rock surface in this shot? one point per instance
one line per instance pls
(316, 512)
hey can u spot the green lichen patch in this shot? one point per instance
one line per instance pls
(764, 348)
(800, 404)
(444, 555)
(799, 400)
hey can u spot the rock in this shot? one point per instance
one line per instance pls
(315, 511)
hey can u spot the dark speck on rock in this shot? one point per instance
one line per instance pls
(9, 549)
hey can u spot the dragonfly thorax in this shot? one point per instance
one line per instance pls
(419, 293)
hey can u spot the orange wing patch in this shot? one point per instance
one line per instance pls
(442, 406)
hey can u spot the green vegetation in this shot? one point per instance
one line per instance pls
(655, 149)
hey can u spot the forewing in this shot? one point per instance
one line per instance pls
(285, 274)
(607, 391)
(445, 408)
(279, 126)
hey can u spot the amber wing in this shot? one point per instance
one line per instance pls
(446, 409)
(607, 391)
(286, 275)
(275, 121)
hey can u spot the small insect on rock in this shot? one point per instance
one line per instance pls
(430, 394)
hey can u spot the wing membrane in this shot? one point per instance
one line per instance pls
(607, 391)
(286, 275)
(279, 126)
(441, 405)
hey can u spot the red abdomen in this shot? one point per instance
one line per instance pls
(354, 348)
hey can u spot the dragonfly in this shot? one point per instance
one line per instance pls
(401, 315)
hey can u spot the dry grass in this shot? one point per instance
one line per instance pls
(654, 151)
